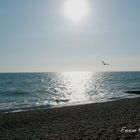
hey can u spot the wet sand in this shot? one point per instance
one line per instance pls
(100, 121)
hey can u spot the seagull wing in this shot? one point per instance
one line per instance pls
(103, 62)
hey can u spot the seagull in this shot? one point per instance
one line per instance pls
(104, 63)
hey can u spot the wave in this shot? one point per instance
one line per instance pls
(15, 93)
(61, 100)
(58, 100)
(12, 110)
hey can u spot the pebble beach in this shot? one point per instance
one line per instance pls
(115, 120)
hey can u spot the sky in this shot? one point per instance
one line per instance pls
(38, 36)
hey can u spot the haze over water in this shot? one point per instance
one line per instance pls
(19, 91)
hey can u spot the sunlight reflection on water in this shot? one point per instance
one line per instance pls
(68, 88)
(77, 82)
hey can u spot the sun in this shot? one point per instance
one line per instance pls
(76, 10)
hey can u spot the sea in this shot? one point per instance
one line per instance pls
(28, 91)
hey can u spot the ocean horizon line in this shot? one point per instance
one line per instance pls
(1, 72)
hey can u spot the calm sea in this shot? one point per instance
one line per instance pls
(22, 91)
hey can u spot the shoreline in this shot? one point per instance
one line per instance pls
(45, 107)
(89, 121)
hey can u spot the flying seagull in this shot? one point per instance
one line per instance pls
(104, 63)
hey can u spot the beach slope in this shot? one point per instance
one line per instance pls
(100, 121)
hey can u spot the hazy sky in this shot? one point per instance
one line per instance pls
(37, 35)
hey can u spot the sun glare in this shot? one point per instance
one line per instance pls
(76, 10)
(77, 84)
